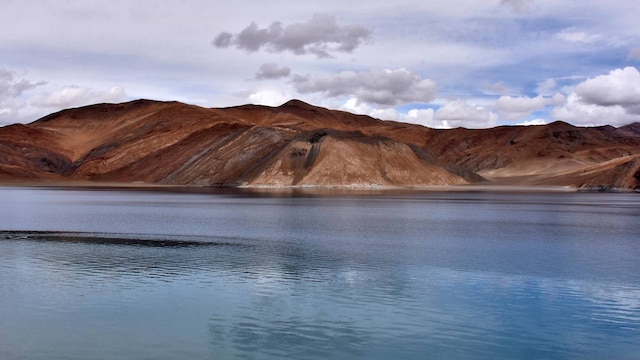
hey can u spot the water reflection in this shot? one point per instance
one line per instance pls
(442, 276)
(275, 301)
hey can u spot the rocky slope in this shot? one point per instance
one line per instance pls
(298, 144)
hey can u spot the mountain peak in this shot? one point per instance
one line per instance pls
(632, 129)
(295, 103)
(560, 123)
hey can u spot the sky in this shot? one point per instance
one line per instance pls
(442, 64)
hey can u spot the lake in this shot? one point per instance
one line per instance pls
(120, 274)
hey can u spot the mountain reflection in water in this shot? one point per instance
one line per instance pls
(445, 275)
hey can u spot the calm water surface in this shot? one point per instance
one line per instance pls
(158, 275)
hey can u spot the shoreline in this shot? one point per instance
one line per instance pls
(353, 188)
(356, 188)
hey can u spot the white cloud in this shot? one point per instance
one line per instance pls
(573, 35)
(321, 36)
(547, 87)
(532, 122)
(458, 113)
(498, 88)
(381, 87)
(164, 49)
(14, 88)
(71, 96)
(606, 99)
(26, 103)
(357, 107)
(387, 114)
(577, 112)
(269, 97)
(619, 87)
(422, 117)
(514, 108)
(452, 113)
(9, 112)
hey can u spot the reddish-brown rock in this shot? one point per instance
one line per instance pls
(298, 144)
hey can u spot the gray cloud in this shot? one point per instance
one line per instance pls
(320, 36)
(223, 40)
(517, 6)
(11, 87)
(272, 71)
(382, 87)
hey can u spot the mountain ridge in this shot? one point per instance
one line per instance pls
(299, 144)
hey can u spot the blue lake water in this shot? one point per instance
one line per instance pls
(463, 275)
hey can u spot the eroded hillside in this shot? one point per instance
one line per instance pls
(298, 144)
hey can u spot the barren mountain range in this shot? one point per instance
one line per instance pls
(298, 144)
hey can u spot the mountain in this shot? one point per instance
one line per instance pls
(297, 144)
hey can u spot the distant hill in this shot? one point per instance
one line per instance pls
(298, 144)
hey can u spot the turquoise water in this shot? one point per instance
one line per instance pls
(159, 275)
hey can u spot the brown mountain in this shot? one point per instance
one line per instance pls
(300, 144)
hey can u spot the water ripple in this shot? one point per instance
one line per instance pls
(373, 278)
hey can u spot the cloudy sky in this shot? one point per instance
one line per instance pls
(471, 63)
